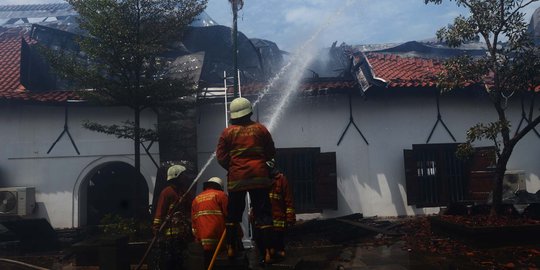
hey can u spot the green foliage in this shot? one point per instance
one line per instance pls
(508, 69)
(123, 51)
(115, 225)
(458, 33)
(126, 58)
(460, 71)
(483, 131)
(125, 131)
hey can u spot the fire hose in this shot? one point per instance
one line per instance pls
(19, 263)
(218, 248)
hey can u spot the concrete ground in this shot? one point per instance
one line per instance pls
(352, 244)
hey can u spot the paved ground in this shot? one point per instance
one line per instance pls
(354, 244)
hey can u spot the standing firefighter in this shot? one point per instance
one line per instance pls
(243, 149)
(283, 214)
(208, 212)
(177, 232)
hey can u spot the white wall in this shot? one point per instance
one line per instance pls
(371, 178)
(27, 133)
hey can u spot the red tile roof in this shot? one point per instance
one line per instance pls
(397, 71)
(405, 72)
(10, 56)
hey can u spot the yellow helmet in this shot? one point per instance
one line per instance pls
(174, 171)
(240, 107)
(216, 180)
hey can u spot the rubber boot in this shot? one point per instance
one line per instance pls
(231, 240)
(268, 257)
(268, 241)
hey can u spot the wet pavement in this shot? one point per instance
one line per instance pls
(355, 243)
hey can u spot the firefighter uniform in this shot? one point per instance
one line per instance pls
(243, 149)
(177, 232)
(208, 212)
(283, 214)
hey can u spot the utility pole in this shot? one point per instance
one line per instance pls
(236, 5)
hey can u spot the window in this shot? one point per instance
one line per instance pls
(312, 175)
(435, 176)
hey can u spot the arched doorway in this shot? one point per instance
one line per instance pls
(115, 188)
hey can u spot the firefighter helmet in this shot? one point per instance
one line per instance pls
(240, 107)
(216, 180)
(174, 171)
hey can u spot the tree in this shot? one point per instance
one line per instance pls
(509, 69)
(123, 59)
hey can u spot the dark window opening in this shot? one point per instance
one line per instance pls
(116, 189)
(312, 175)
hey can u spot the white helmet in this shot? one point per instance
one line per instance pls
(216, 180)
(240, 107)
(174, 171)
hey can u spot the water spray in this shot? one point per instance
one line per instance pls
(300, 61)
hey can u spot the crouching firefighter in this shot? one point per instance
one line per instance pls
(208, 212)
(176, 234)
(243, 149)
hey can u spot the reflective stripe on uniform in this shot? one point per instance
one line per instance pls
(262, 182)
(290, 210)
(279, 223)
(207, 213)
(275, 196)
(239, 151)
(209, 241)
(172, 231)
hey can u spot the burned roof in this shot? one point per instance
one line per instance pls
(398, 71)
(11, 88)
(426, 50)
(14, 15)
(408, 65)
(534, 27)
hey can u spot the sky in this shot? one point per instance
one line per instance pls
(291, 23)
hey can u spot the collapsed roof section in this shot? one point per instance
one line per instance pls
(216, 41)
(17, 15)
(257, 59)
(426, 50)
(207, 48)
(534, 27)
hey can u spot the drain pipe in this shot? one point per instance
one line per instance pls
(22, 264)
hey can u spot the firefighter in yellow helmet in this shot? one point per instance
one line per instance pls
(208, 212)
(177, 232)
(243, 149)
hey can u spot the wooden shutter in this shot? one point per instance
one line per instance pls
(299, 165)
(411, 181)
(484, 159)
(482, 175)
(326, 181)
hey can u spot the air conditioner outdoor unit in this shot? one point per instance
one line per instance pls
(17, 201)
